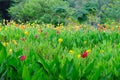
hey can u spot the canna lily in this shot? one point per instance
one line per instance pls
(10, 51)
(23, 57)
(71, 52)
(14, 41)
(5, 44)
(60, 40)
(85, 54)
(78, 56)
(112, 28)
(26, 33)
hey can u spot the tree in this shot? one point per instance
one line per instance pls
(49, 11)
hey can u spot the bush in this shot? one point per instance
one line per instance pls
(49, 11)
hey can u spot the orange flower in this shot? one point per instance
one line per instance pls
(22, 27)
(104, 29)
(16, 25)
(99, 29)
(119, 28)
(112, 28)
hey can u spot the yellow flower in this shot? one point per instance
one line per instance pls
(71, 52)
(89, 50)
(26, 32)
(112, 28)
(5, 43)
(76, 28)
(10, 50)
(60, 40)
(78, 56)
(14, 41)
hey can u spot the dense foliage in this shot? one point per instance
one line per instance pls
(31, 52)
(56, 12)
(49, 11)
(58, 40)
(82, 10)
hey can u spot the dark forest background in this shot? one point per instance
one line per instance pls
(60, 11)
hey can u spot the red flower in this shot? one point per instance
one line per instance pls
(84, 55)
(23, 57)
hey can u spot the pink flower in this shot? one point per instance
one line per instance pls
(23, 57)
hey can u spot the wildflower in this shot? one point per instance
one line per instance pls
(14, 41)
(10, 51)
(22, 27)
(60, 40)
(16, 25)
(71, 52)
(119, 28)
(89, 50)
(84, 55)
(5, 44)
(78, 56)
(99, 29)
(23, 57)
(112, 28)
(26, 32)
(76, 28)
(104, 29)
(98, 24)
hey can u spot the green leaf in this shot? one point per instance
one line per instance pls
(67, 69)
(55, 67)
(97, 73)
(44, 64)
(88, 68)
(25, 73)
(12, 61)
(70, 68)
(3, 53)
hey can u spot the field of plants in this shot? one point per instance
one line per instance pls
(72, 52)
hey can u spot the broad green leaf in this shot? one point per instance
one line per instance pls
(88, 68)
(97, 74)
(3, 53)
(67, 69)
(39, 74)
(44, 64)
(25, 73)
